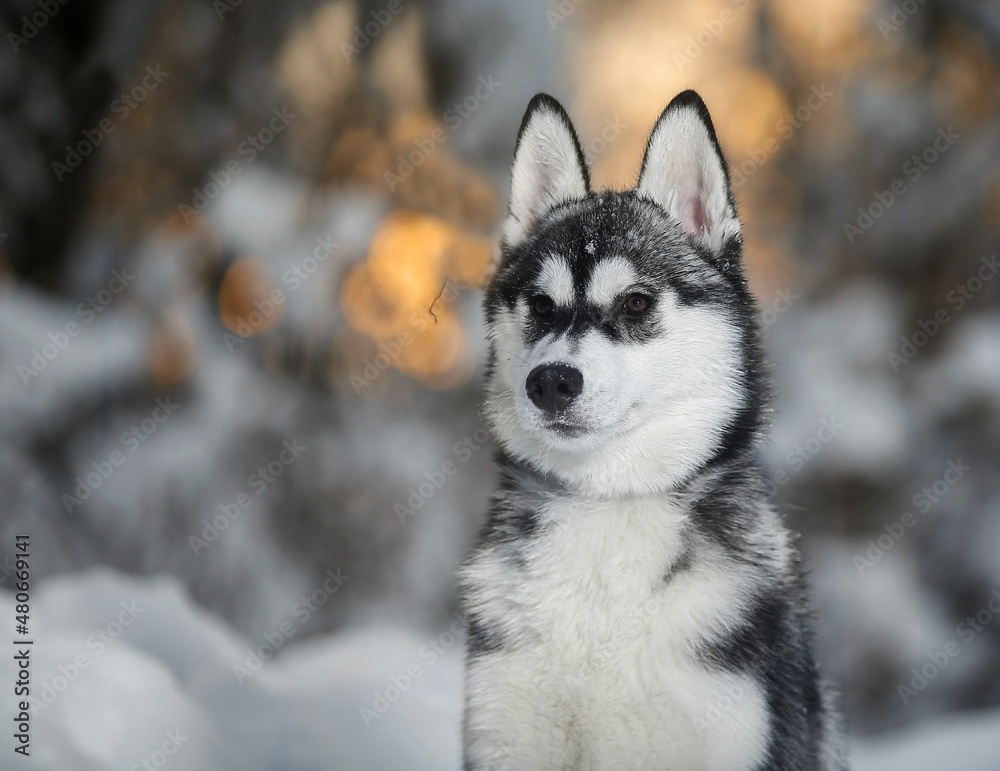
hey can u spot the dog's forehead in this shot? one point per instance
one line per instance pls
(600, 248)
(591, 252)
(594, 229)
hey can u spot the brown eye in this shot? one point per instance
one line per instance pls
(636, 304)
(541, 305)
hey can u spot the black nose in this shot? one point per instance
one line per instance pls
(551, 387)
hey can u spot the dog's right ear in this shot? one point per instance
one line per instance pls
(549, 167)
(685, 172)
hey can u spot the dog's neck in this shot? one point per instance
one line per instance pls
(736, 469)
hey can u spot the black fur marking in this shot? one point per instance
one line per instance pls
(482, 638)
(747, 648)
(575, 322)
(513, 517)
(682, 563)
(775, 647)
(491, 361)
(610, 224)
(724, 507)
(512, 524)
(520, 476)
(742, 433)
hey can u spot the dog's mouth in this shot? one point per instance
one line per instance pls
(581, 426)
(573, 428)
(565, 428)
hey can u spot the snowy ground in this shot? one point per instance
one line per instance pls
(165, 681)
(128, 671)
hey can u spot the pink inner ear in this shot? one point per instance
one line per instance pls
(691, 207)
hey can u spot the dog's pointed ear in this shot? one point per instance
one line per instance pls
(549, 167)
(685, 172)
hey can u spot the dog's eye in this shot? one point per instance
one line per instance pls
(636, 304)
(541, 305)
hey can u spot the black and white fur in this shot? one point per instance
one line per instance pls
(634, 602)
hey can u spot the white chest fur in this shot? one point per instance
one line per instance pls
(599, 668)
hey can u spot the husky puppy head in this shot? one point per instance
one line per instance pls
(623, 354)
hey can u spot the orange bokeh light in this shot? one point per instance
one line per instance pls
(416, 262)
(247, 303)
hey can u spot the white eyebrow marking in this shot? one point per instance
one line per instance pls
(556, 280)
(609, 279)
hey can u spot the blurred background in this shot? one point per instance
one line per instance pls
(240, 348)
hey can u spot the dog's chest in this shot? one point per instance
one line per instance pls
(613, 606)
(596, 575)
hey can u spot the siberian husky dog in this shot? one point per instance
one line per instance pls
(634, 601)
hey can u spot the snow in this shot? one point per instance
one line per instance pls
(55, 356)
(830, 361)
(968, 742)
(849, 306)
(335, 505)
(135, 668)
(975, 353)
(170, 672)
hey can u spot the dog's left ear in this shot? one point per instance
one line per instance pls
(685, 172)
(549, 167)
